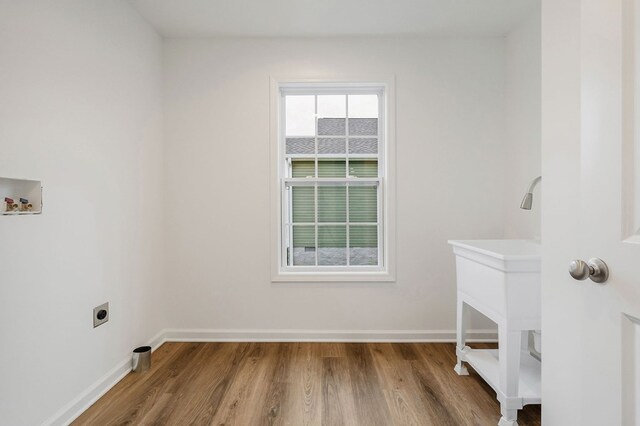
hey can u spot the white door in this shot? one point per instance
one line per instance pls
(591, 208)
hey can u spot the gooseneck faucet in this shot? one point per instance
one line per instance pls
(528, 197)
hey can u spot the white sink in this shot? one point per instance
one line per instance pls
(501, 279)
(505, 255)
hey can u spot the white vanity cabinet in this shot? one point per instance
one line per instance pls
(501, 279)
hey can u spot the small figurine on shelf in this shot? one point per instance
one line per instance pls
(25, 205)
(11, 206)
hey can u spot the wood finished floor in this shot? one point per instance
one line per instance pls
(302, 384)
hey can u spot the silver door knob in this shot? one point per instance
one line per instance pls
(595, 269)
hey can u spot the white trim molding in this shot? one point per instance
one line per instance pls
(350, 336)
(387, 272)
(86, 399)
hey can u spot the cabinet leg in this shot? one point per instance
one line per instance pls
(460, 368)
(509, 355)
(461, 336)
(509, 418)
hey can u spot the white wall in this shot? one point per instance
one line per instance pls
(80, 108)
(451, 167)
(522, 118)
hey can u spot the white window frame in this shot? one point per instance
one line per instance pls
(385, 271)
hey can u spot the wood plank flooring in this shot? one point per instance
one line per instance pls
(302, 384)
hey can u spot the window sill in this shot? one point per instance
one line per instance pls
(323, 277)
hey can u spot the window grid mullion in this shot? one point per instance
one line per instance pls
(329, 136)
(283, 170)
(321, 224)
(379, 190)
(365, 180)
(290, 218)
(346, 150)
(339, 156)
(379, 224)
(315, 187)
(348, 241)
(315, 194)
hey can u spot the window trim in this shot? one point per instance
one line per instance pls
(385, 273)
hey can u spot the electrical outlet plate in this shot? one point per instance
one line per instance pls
(100, 314)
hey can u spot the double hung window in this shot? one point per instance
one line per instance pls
(331, 171)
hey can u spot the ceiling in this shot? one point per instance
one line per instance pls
(289, 18)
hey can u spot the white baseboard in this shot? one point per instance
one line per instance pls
(76, 407)
(72, 410)
(208, 335)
